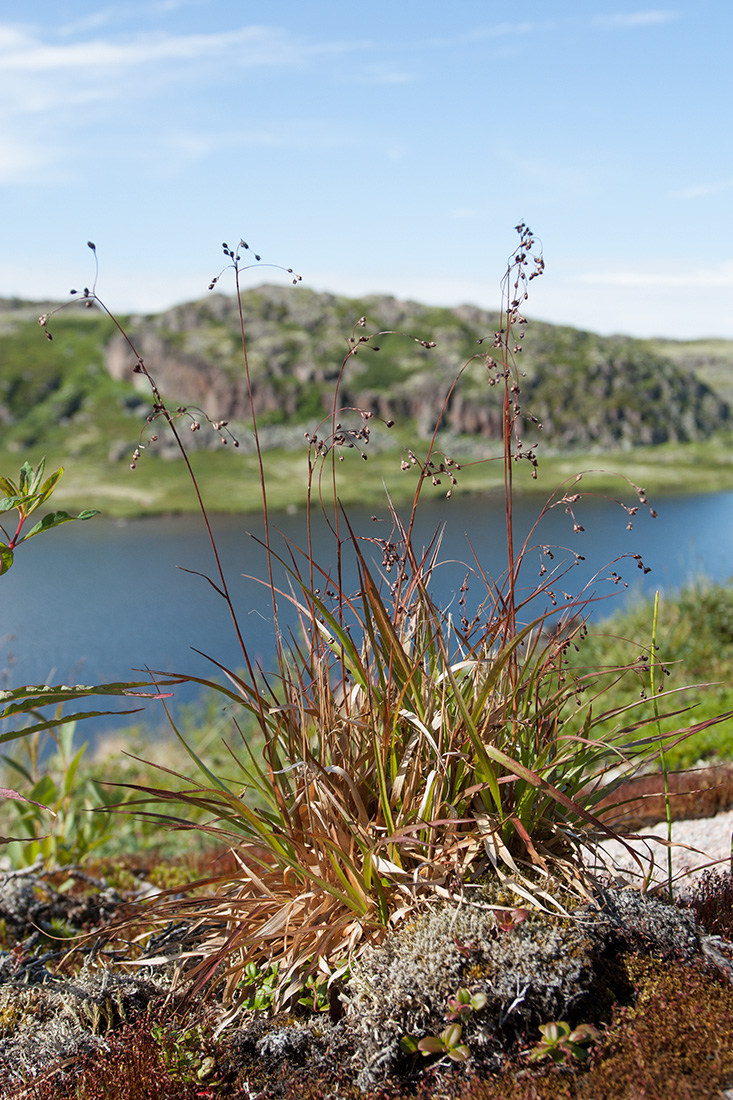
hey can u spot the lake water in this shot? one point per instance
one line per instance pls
(92, 601)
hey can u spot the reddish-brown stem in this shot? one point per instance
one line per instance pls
(202, 507)
(258, 449)
(509, 514)
(14, 541)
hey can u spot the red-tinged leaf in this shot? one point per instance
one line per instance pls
(461, 1053)
(431, 1044)
(6, 792)
(31, 697)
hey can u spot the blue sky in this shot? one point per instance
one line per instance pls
(382, 147)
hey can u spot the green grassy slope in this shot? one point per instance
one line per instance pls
(596, 398)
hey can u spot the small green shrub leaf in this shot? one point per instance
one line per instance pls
(6, 558)
(55, 519)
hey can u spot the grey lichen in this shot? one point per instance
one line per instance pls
(544, 968)
(43, 1024)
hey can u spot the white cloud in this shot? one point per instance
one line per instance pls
(631, 20)
(92, 21)
(21, 162)
(13, 38)
(384, 74)
(482, 34)
(252, 45)
(193, 145)
(118, 13)
(683, 308)
(720, 276)
(50, 87)
(703, 190)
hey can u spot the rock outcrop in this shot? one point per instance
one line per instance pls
(584, 389)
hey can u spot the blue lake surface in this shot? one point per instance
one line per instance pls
(90, 602)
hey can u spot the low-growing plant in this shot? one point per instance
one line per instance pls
(54, 782)
(447, 1043)
(459, 1007)
(56, 821)
(315, 995)
(258, 987)
(561, 1044)
(75, 832)
(711, 900)
(407, 749)
(24, 498)
(693, 656)
(182, 1054)
(463, 1004)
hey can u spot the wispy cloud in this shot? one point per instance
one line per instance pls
(12, 38)
(703, 190)
(633, 20)
(720, 276)
(20, 161)
(122, 13)
(53, 86)
(91, 21)
(252, 45)
(485, 33)
(505, 31)
(384, 74)
(193, 145)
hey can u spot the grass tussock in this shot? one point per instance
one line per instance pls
(399, 755)
(406, 750)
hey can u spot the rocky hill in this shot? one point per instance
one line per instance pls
(586, 390)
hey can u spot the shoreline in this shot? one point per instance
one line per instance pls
(230, 483)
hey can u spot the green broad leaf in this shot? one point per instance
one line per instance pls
(18, 501)
(66, 740)
(54, 519)
(37, 476)
(578, 1052)
(8, 487)
(26, 473)
(451, 1035)
(48, 486)
(6, 558)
